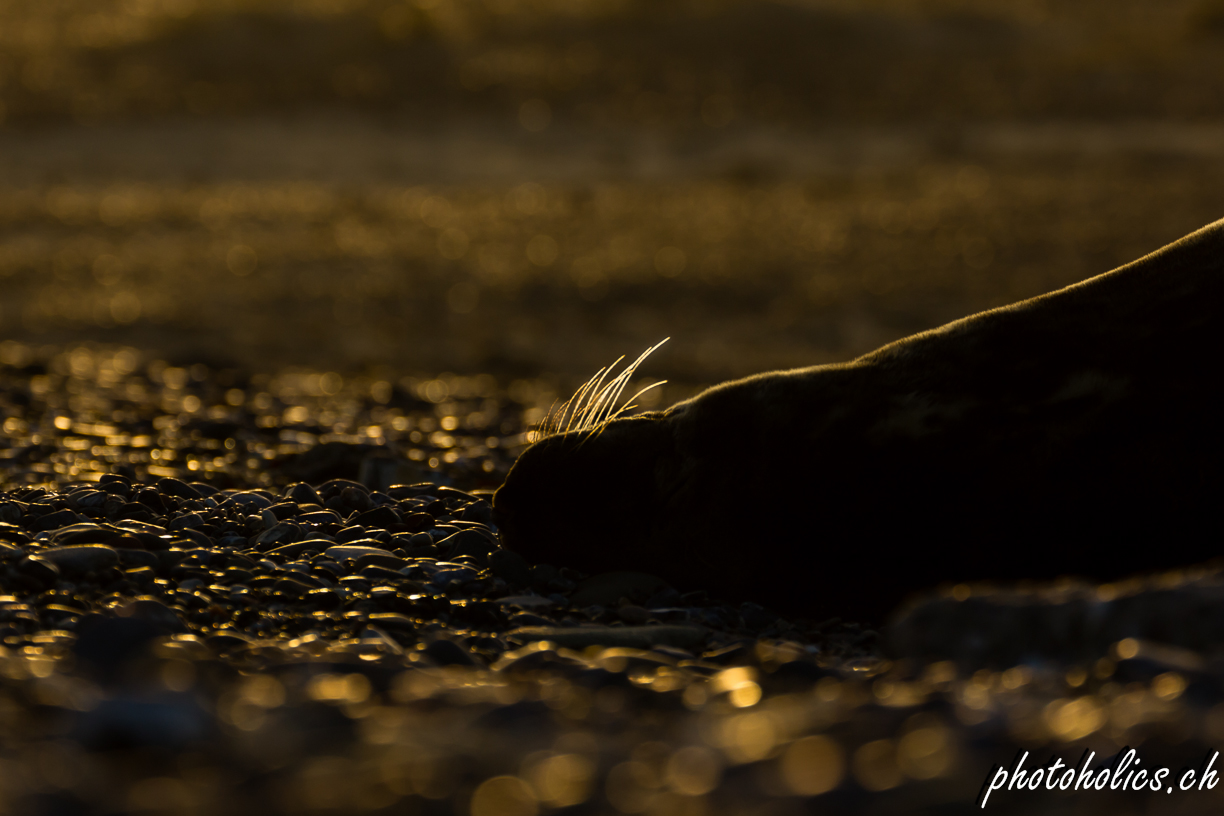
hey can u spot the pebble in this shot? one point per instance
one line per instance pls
(351, 552)
(639, 637)
(80, 560)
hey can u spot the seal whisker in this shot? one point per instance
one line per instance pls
(606, 400)
(576, 402)
(542, 428)
(624, 381)
(593, 395)
(605, 405)
(595, 402)
(630, 405)
(552, 421)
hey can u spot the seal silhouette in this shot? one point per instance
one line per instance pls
(1076, 433)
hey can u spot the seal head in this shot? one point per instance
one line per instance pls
(1075, 433)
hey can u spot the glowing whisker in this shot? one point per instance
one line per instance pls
(630, 405)
(626, 374)
(575, 402)
(592, 393)
(595, 402)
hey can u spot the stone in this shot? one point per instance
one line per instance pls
(510, 566)
(636, 637)
(351, 552)
(177, 488)
(466, 542)
(81, 559)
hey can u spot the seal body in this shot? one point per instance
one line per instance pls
(1077, 433)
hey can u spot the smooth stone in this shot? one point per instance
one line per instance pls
(294, 550)
(417, 521)
(526, 601)
(185, 521)
(84, 533)
(302, 493)
(225, 641)
(39, 571)
(380, 574)
(125, 542)
(608, 588)
(138, 558)
(236, 559)
(282, 532)
(347, 552)
(319, 517)
(147, 541)
(296, 583)
(480, 512)
(177, 489)
(80, 559)
(120, 489)
(282, 510)
(170, 558)
(444, 492)
(510, 566)
(89, 498)
(197, 538)
(383, 516)
(422, 544)
(527, 619)
(453, 574)
(57, 520)
(388, 561)
(14, 534)
(524, 661)
(325, 598)
(393, 621)
(466, 542)
(137, 526)
(247, 501)
(204, 489)
(636, 637)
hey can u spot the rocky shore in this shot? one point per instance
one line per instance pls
(229, 593)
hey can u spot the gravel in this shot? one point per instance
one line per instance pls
(202, 612)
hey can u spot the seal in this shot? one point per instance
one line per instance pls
(1075, 433)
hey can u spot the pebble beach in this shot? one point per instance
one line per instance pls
(286, 595)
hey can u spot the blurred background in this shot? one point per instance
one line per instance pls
(520, 187)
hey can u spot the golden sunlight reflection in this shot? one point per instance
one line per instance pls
(561, 780)
(813, 765)
(1073, 719)
(748, 737)
(875, 765)
(504, 796)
